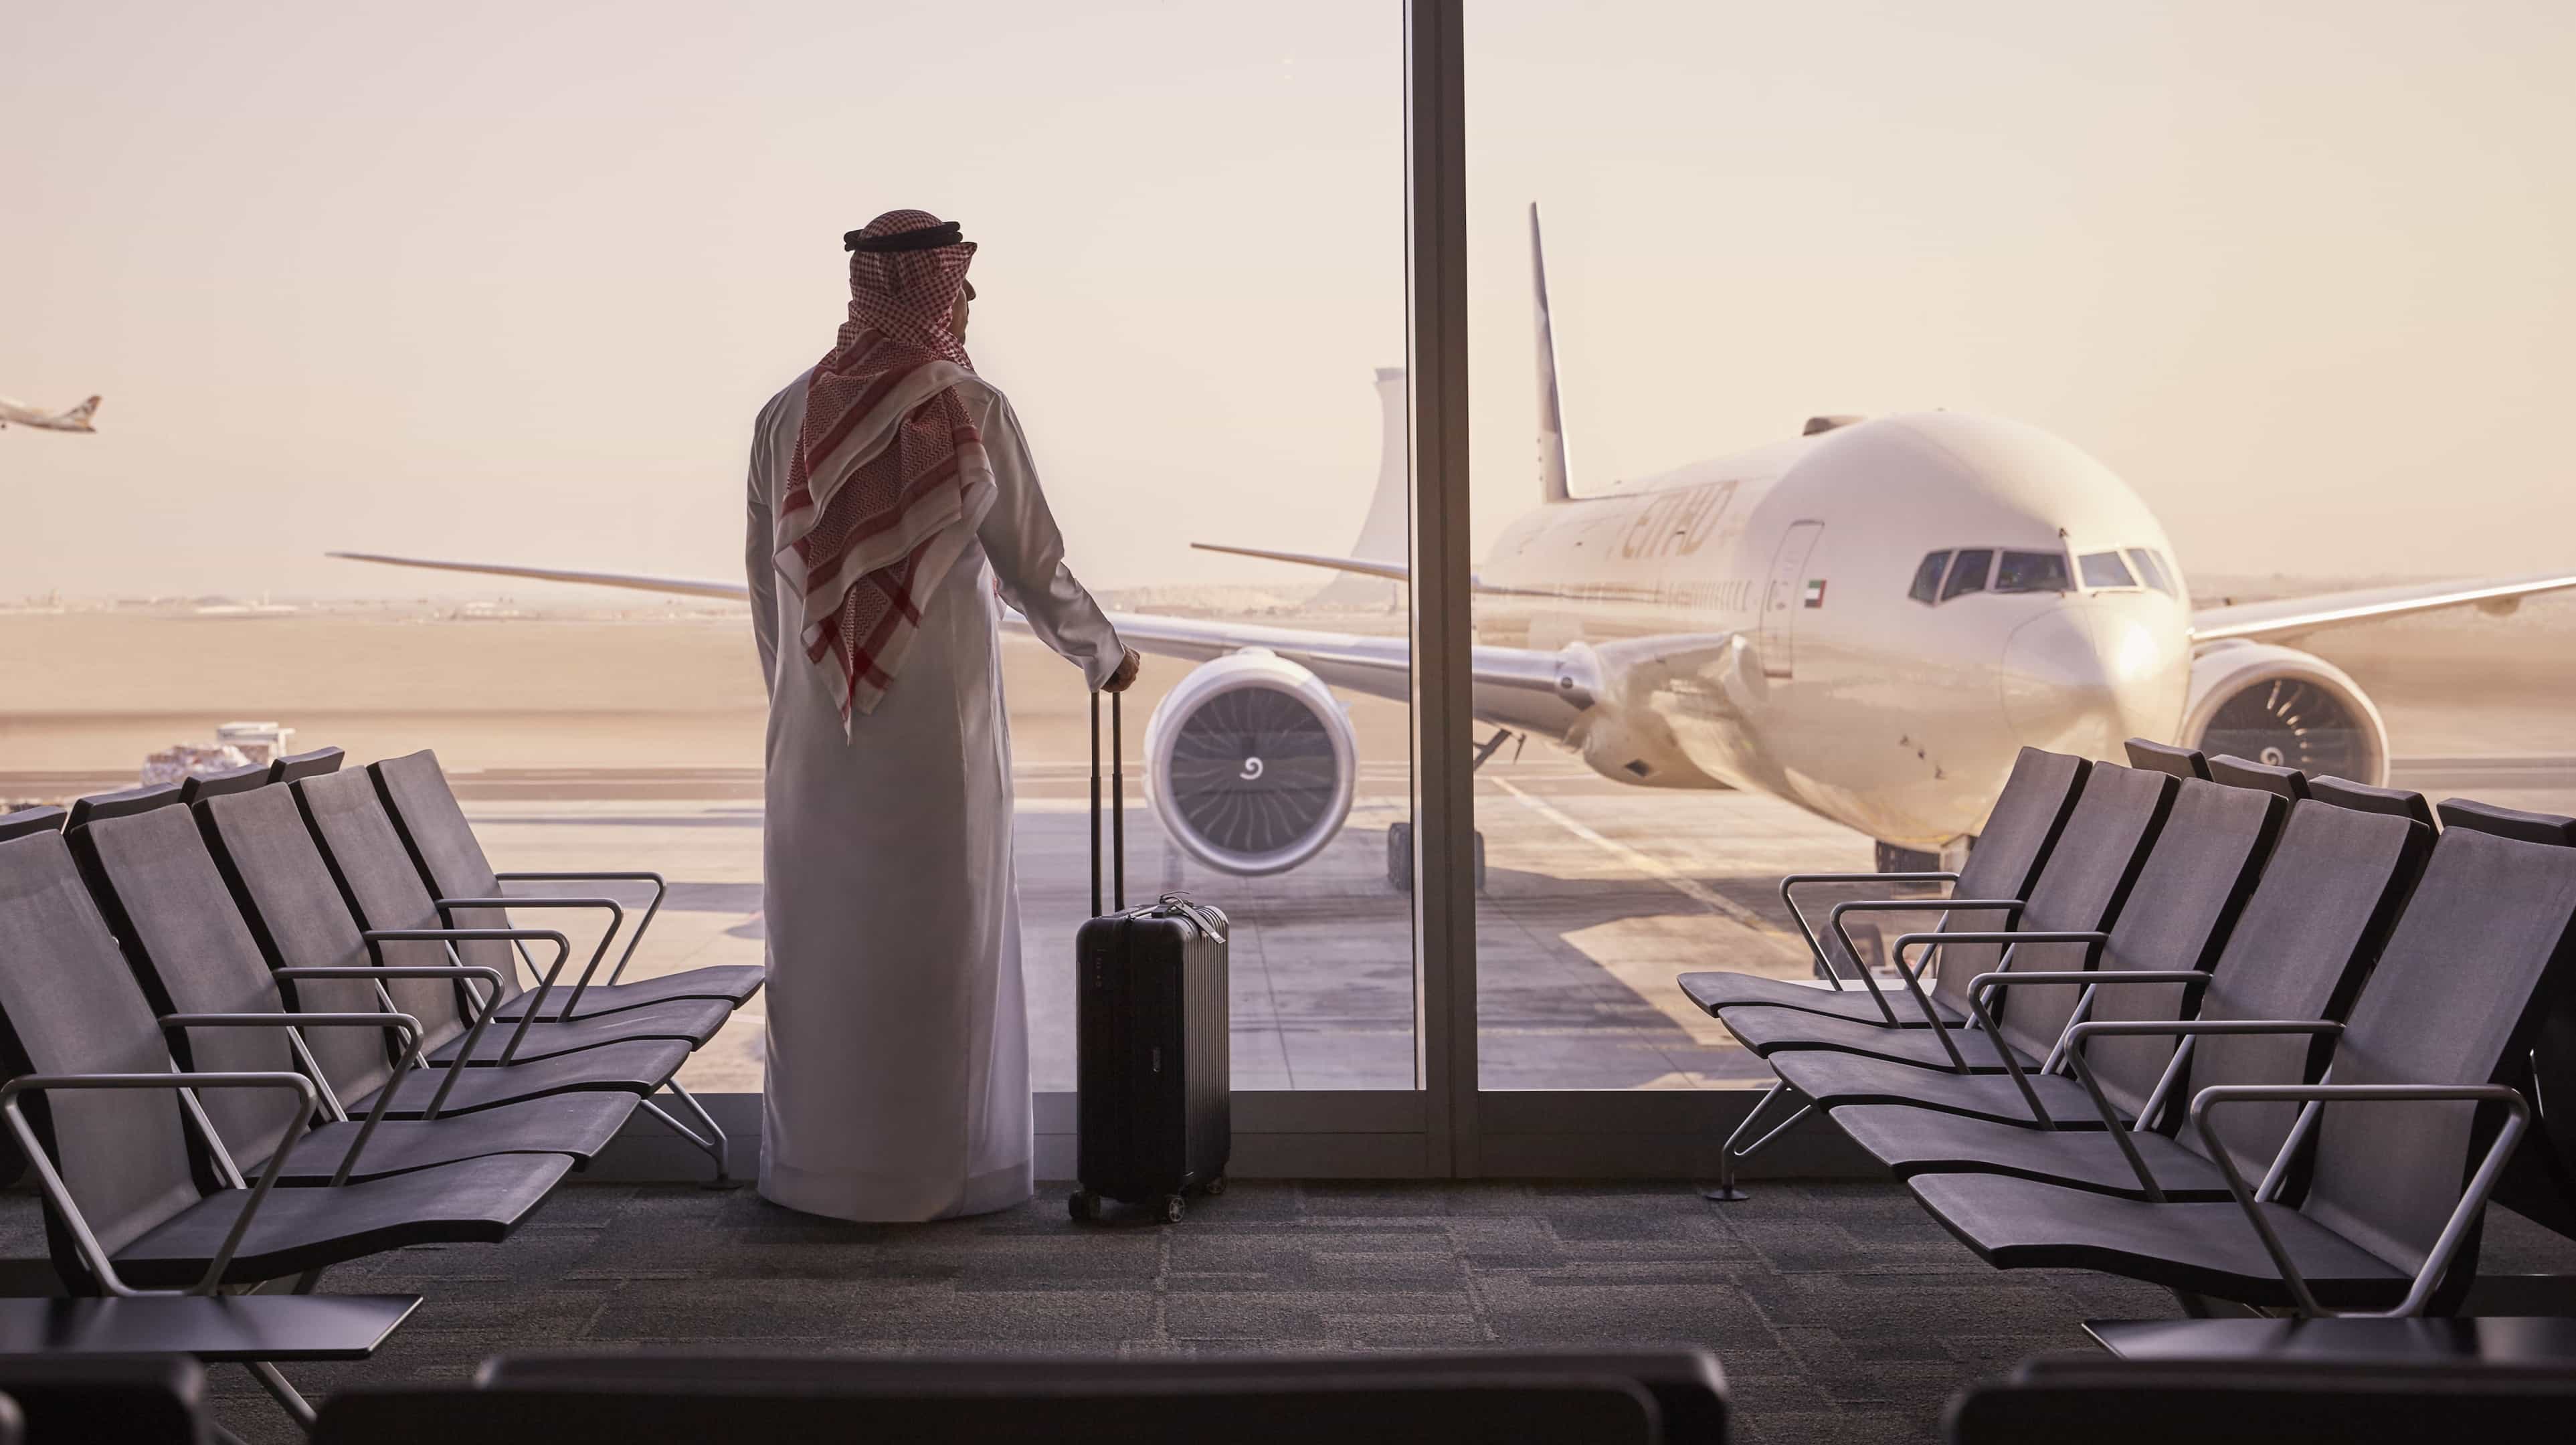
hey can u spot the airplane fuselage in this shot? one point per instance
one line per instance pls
(1762, 620)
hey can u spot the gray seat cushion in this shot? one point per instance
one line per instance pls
(575, 1125)
(477, 1202)
(1771, 1030)
(734, 983)
(1833, 1079)
(2202, 1248)
(639, 1067)
(1913, 1141)
(692, 1021)
(1714, 991)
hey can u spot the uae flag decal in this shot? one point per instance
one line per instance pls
(1815, 591)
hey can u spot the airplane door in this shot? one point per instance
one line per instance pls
(1782, 598)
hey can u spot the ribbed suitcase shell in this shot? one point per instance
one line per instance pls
(1151, 1031)
(1156, 1079)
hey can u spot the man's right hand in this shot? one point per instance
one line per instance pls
(1125, 677)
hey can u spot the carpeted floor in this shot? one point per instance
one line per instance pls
(1840, 1311)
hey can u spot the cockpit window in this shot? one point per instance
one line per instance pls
(2151, 570)
(2105, 569)
(1968, 574)
(2032, 572)
(1927, 578)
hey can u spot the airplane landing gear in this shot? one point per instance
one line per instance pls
(1399, 836)
(1399, 857)
(1892, 859)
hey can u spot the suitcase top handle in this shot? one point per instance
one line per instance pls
(1117, 804)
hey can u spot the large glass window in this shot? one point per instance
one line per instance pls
(1190, 284)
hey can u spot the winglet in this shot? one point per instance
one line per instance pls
(1553, 472)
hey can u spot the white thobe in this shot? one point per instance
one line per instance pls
(897, 1033)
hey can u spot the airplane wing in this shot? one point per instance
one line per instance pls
(1391, 571)
(1518, 687)
(2289, 616)
(669, 586)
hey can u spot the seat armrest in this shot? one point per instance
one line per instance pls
(661, 890)
(2455, 1230)
(403, 1024)
(83, 1238)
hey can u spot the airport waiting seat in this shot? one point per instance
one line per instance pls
(2107, 1401)
(2330, 892)
(64, 1399)
(31, 820)
(2108, 841)
(2507, 822)
(1557, 1395)
(452, 863)
(2410, 1109)
(329, 962)
(185, 938)
(2167, 758)
(2148, 959)
(2345, 793)
(296, 767)
(103, 1110)
(230, 780)
(384, 885)
(2238, 772)
(2541, 1184)
(124, 804)
(1997, 878)
(2089, 870)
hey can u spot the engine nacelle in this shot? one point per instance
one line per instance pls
(1250, 763)
(2285, 707)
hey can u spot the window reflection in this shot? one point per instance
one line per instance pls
(2151, 569)
(1968, 574)
(2105, 569)
(1927, 578)
(2032, 572)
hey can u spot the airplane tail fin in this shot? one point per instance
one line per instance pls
(1553, 477)
(1384, 532)
(79, 416)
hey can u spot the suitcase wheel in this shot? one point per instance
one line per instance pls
(1213, 1187)
(1173, 1208)
(1083, 1205)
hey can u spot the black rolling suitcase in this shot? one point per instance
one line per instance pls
(1150, 1022)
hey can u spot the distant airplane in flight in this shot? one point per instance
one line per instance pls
(1869, 620)
(21, 414)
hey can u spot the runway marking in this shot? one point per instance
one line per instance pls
(1662, 872)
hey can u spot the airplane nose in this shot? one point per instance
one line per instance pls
(2082, 678)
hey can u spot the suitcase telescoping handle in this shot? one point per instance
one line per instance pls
(1117, 804)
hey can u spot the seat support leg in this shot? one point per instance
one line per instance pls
(2196, 1306)
(283, 1393)
(712, 1143)
(1725, 1191)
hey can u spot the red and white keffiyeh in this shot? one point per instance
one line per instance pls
(890, 478)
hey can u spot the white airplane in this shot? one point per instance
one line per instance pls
(1869, 620)
(76, 419)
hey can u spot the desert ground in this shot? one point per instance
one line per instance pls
(631, 738)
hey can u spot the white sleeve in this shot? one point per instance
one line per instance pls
(1027, 552)
(760, 548)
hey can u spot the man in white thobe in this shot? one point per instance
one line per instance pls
(891, 495)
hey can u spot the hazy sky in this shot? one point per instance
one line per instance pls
(509, 280)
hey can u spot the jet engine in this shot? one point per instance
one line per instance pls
(1250, 763)
(2285, 707)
